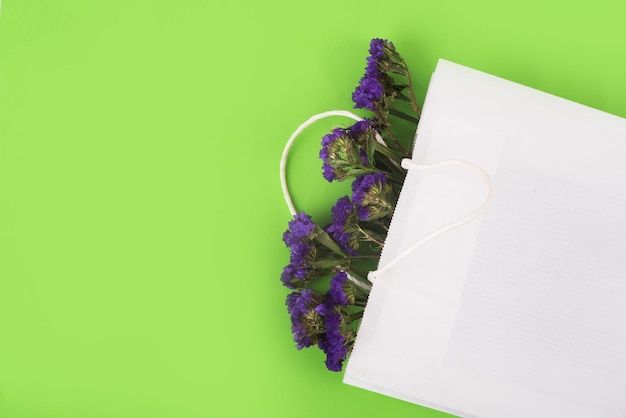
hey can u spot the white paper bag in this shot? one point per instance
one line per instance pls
(522, 312)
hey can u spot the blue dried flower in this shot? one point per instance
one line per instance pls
(337, 295)
(297, 238)
(299, 252)
(327, 141)
(377, 51)
(359, 132)
(361, 188)
(342, 153)
(301, 226)
(335, 341)
(363, 155)
(292, 274)
(341, 212)
(334, 345)
(370, 89)
(359, 128)
(306, 324)
(367, 93)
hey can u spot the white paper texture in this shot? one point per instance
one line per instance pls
(521, 313)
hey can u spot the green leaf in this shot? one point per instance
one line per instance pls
(323, 238)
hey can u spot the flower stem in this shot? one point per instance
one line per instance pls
(358, 272)
(382, 116)
(394, 177)
(414, 104)
(388, 152)
(403, 115)
(365, 257)
(368, 236)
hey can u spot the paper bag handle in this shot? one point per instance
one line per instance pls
(408, 164)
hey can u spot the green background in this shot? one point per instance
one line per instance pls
(140, 207)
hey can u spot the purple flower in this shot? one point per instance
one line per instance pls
(327, 141)
(328, 172)
(377, 51)
(320, 320)
(291, 301)
(297, 238)
(377, 47)
(370, 89)
(294, 275)
(300, 305)
(367, 93)
(334, 342)
(337, 295)
(363, 155)
(300, 227)
(357, 133)
(341, 212)
(360, 188)
(299, 253)
(344, 151)
(359, 128)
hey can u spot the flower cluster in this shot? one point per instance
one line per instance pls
(339, 255)
(370, 89)
(386, 89)
(298, 239)
(343, 226)
(372, 196)
(306, 324)
(324, 320)
(346, 152)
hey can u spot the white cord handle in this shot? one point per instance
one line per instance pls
(411, 165)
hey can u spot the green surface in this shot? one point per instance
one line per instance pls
(140, 209)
